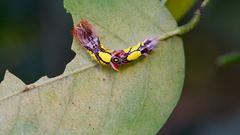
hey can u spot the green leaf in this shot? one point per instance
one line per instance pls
(228, 59)
(89, 99)
(179, 8)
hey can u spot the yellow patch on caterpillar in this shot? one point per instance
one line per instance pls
(93, 55)
(101, 62)
(127, 49)
(106, 57)
(133, 48)
(136, 47)
(107, 50)
(134, 56)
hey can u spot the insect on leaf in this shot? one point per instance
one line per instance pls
(92, 99)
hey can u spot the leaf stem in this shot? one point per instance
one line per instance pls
(189, 26)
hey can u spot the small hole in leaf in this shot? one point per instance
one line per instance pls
(35, 38)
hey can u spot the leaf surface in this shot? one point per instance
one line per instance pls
(89, 99)
(179, 8)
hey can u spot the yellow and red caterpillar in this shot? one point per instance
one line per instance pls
(86, 36)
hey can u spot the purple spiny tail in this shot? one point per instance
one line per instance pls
(85, 34)
(148, 46)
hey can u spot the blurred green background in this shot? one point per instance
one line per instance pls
(35, 40)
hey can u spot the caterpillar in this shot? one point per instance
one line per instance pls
(87, 37)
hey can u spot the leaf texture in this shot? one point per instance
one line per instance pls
(90, 99)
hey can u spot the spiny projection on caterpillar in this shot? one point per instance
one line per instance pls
(87, 37)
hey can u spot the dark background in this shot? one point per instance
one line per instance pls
(35, 40)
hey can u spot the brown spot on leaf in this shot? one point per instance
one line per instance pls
(29, 87)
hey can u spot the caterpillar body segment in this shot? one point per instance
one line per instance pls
(86, 36)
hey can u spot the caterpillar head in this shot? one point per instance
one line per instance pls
(119, 58)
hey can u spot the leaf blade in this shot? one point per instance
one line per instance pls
(96, 100)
